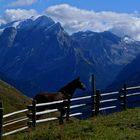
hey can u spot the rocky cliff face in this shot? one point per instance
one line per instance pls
(107, 52)
(38, 54)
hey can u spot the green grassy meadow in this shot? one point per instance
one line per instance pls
(118, 126)
(13, 100)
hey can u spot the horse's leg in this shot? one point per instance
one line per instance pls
(66, 108)
(62, 110)
(61, 116)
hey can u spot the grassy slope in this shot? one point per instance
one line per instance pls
(118, 126)
(124, 125)
(12, 99)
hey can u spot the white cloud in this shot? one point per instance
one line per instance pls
(18, 14)
(22, 3)
(2, 21)
(74, 19)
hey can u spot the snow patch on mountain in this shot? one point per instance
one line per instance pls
(35, 17)
(35, 21)
(16, 24)
(128, 39)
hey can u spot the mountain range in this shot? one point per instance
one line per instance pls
(37, 54)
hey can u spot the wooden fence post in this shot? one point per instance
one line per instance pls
(34, 113)
(97, 105)
(93, 94)
(124, 97)
(68, 109)
(1, 119)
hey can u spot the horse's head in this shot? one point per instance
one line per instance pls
(79, 84)
(70, 88)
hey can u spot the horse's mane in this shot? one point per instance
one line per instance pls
(69, 85)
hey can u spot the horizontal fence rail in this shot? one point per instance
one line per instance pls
(105, 108)
(15, 121)
(46, 120)
(50, 103)
(134, 94)
(109, 100)
(133, 88)
(109, 93)
(46, 112)
(75, 114)
(15, 131)
(81, 98)
(14, 113)
(76, 106)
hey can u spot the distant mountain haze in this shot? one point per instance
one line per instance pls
(129, 75)
(37, 54)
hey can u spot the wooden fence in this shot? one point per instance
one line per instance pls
(99, 103)
(10, 120)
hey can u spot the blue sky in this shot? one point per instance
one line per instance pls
(122, 17)
(102, 5)
(97, 5)
(128, 6)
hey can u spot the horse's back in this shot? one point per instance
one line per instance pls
(48, 97)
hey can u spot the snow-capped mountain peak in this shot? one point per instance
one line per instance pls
(37, 21)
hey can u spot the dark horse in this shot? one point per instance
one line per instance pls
(64, 93)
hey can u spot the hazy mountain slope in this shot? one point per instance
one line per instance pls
(130, 75)
(13, 100)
